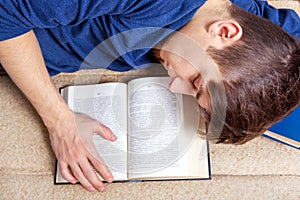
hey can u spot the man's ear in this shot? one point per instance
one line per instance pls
(224, 33)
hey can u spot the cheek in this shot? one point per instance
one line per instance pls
(178, 85)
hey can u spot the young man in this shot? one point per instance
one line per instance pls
(51, 35)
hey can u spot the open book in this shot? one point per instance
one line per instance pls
(156, 129)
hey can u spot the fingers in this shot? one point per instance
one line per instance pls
(99, 164)
(101, 167)
(80, 168)
(78, 157)
(66, 173)
(85, 174)
(105, 132)
(87, 177)
(86, 124)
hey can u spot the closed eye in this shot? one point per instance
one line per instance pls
(197, 82)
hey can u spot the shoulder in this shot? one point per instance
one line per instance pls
(18, 16)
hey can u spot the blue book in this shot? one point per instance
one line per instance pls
(287, 130)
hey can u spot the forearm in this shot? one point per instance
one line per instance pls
(71, 134)
(23, 61)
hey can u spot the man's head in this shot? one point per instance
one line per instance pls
(259, 64)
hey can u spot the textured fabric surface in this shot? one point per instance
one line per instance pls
(219, 188)
(260, 169)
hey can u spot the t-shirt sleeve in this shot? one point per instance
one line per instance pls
(12, 23)
(285, 18)
(18, 17)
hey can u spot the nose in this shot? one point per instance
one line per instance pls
(178, 85)
(171, 72)
(166, 66)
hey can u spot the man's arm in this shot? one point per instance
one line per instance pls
(22, 59)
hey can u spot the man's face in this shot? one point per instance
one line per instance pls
(184, 53)
(185, 78)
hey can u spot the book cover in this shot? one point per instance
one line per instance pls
(287, 130)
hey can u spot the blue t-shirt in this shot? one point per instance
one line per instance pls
(72, 31)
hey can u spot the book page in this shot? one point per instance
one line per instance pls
(107, 103)
(163, 143)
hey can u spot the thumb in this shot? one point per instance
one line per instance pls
(105, 132)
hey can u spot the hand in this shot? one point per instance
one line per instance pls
(23, 61)
(72, 143)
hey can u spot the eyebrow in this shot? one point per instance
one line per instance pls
(156, 54)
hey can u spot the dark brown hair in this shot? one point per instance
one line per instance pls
(261, 78)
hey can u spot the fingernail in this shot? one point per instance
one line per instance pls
(110, 180)
(102, 189)
(113, 137)
(92, 189)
